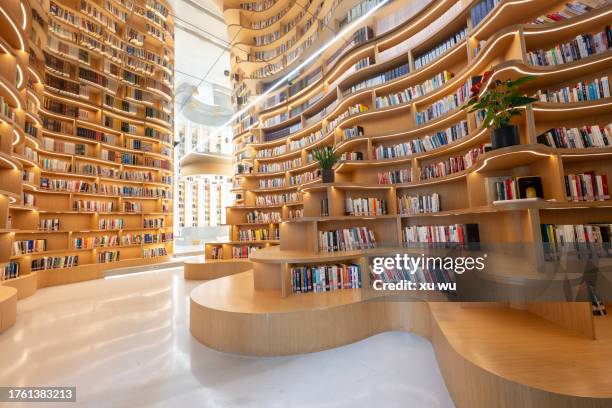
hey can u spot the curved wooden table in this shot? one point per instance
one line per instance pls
(488, 356)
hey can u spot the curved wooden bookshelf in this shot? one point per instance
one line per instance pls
(94, 120)
(345, 99)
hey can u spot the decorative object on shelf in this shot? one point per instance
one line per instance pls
(501, 101)
(327, 157)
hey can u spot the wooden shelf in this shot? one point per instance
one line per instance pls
(57, 204)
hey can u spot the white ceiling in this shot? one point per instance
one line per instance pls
(199, 51)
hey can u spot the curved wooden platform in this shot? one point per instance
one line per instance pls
(26, 285)
(489, 356)
(8, 307)
(199, 268)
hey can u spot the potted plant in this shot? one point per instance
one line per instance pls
(327, 157)
(500, 102)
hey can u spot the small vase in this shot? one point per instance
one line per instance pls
(327, 175)
(505, 136)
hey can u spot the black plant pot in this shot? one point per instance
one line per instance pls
(505, 136)
(327, 175)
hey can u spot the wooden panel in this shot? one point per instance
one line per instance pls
(568, 315)
(201, 269)
(8, 307)
(26, 285)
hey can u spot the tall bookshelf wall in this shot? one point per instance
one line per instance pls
(90, 174)
(343, 109)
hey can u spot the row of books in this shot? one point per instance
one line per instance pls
(419, 204)
(365, 206)
(55, 262)
(295, 213)
(591, 239)
(108, 256)
(154, 252)
(439, 49)
(128, 191)
(324, 207)
(49, 224)
(242, 251)
(571, 9)
(305, 141)
(29, 200)
(346, 239)
(424, 144)
(276, 151)
(276, 167)
(587, 186)
(10, 270)
(378, 79)
(582, 91)
(413, 92)
(440, 235)
(55, 165)
(29, 246)
(586, 136)
(95, 241)
(581, 47)
(481, 9)
(304, 177)
(153, 222)
(63, 147)
(325, 278)
(55, 125)
(119, 157)
(156, 238)
(110, 223)
(216, 252)
(446, 104)
(67, 185)
(272, 183)
(256, 234)
(92, 205)
(256, 216)
(395, 176)
(351, 156)
(349, 133)
(277, 199)
(130, 206)
(453, 164)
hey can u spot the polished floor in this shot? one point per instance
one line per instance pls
(125, 342)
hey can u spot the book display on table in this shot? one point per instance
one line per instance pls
(92, 178)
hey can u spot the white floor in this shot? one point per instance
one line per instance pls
(125, 342)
